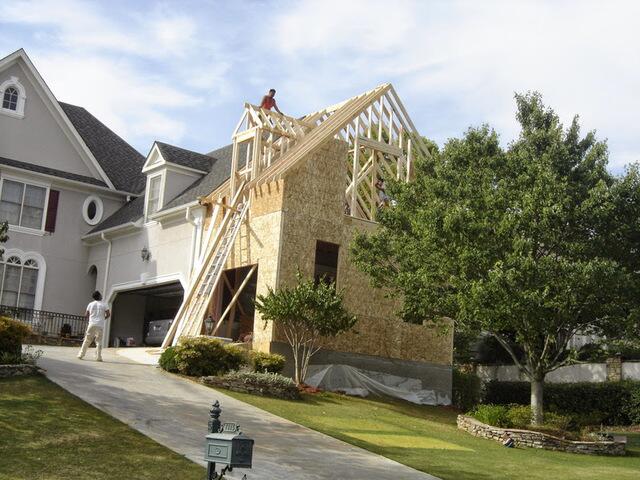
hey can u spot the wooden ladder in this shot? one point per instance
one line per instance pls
(188, 320)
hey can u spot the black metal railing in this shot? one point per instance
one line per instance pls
(53, 324)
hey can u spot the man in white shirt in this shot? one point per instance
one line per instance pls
(97, 313)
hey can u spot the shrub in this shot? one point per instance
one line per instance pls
(519, 416)
(557, 421)
(168, 360)
(612, 403)
(494, 415)
(256, 383)
(266, 362)
(632, 408)
(466, 391)
(12, 334)
(201, 356)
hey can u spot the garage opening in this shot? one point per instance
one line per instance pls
(232, 308)
(143, 316)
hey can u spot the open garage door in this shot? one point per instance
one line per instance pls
(142, 316)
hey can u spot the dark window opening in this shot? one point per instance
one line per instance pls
(92, 210)
(326, 267)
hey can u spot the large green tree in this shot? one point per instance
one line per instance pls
(531, 243)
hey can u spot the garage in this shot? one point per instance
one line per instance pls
(142, 316)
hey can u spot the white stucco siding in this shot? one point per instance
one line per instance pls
(67, 285)
(170, 248)
(38, 138)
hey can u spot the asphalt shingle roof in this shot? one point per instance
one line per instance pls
(119, 160)
(219, 172)
(186, 158)
(51, 171)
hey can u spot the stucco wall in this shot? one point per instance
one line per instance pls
(67, 285)
(50, 147)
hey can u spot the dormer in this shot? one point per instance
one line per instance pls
(170, 170)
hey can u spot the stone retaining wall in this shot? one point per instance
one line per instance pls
(528, 438)
(237, 385)
(18, 370)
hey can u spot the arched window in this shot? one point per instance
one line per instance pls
(10, 99)
(13, 97)
(19, 282)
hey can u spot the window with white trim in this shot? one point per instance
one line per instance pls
(153, 194)
(22, 204)
(18, 282)
(13, 97)
(10, 99)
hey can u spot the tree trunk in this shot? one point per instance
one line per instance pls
(537, 412)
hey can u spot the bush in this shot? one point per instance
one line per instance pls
(519, 416)
(168, 360)
(612, 403)
(557, 421)
(256, 383)
(494, 415)
(201, 356)
(266, 362)
(28, 356)
(12, 334)
(466, 391)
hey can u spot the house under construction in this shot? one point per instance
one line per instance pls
(297, 192)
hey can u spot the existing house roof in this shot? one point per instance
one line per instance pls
(119, 160)
(186, 158)
(51, 171)
(219, 170)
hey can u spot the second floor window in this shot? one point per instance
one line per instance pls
(153, 199)
(10, 99)
(22, 204)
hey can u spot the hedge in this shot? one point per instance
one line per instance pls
(609, 403)
(466, 390)
(12, 334)
(201, 356)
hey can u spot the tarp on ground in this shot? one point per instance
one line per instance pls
(362, 383)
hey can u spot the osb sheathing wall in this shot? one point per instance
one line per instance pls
(313, 209)
(285, 220)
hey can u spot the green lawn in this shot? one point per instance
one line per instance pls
(427, 439)
(47, 433)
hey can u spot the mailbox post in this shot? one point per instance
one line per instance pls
(226, 445)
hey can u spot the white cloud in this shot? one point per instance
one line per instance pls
(582, 56)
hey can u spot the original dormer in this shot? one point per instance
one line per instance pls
(170, 170)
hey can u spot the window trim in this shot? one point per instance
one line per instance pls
(160, 193)
(99, 209)
(22, 96)
(42, 272)
(35, 183)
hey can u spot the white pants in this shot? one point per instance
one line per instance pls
(93, 332)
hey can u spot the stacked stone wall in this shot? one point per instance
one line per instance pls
(530, 439)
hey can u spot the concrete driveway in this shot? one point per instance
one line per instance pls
(174, 412)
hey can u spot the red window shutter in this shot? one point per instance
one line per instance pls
(52, 211)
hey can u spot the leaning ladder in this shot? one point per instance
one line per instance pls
(188, 321)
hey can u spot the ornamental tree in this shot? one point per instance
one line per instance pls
(306, 313)
(531, 244)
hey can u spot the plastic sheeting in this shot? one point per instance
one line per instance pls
(362, 383)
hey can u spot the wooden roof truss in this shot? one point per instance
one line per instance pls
(381, 140)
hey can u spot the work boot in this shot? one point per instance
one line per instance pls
(98, 359)
(80, 356)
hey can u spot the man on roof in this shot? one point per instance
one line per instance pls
(269, 101)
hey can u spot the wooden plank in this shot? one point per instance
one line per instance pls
(381, 146)
(235, 298)
(356, 166)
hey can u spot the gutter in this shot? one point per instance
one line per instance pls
(98, 235)
(174, 210)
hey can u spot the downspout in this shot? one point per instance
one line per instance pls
(195, 240)
(105, 342)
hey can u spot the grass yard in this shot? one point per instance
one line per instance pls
(427, 439)
(47, 433)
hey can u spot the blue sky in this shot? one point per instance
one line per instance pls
(181, 71)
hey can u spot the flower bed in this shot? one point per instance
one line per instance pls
(19, 370)
(531, 439)
(264, 384)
